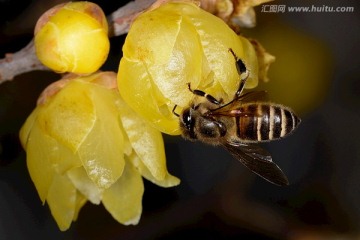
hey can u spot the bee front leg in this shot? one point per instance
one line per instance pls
(242, 71)
(175, 113)
(207, 96)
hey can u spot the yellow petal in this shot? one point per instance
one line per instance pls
(216, 38)
(45, 155)
(168, 181)
(62, 201)
(127, 145)
(150, 104)
(62, 159)
(184, 61)
(27, 127)
(145, 140)
(39, 150)
(69, 116)
(252, 63)
(102, 152)
(84, 185)
(80, 202)
(123, 198)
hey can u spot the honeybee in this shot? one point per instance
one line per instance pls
(239, 124)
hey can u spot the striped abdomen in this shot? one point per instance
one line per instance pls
(265, 122)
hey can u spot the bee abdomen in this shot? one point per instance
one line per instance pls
(265, 122)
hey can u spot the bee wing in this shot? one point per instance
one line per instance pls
(253, 96)
(257, 160)
(231, 109)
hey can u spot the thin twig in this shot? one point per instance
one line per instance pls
(120, 20)
(20, 62)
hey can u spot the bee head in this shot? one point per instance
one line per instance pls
(197, 126)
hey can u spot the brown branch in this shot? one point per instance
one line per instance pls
(20, 62)
(120, 20)
(25, 60)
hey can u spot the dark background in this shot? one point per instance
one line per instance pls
(316, 72)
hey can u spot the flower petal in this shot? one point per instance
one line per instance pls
(62, 201)
(185, 63)
(70, 116)
(265, 59)
(80, 202)
(145, 140)
(216, 38)
(102, 152)
(252, 62)
(27, 127)
(123, 199)
(84, 185)
(168, 181)
(62, 159)
(156, 107)
(39, 151)
(45, 155)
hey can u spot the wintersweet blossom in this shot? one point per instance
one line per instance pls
(175, 44)
(83, 143)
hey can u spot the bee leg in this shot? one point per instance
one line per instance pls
(175, 113)
(242, 71)
(204, 94)
(241, 86)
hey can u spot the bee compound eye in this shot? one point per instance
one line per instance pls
(187, 119)
(187, 124)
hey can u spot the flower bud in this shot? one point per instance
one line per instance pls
(175, 44)
(72, 37)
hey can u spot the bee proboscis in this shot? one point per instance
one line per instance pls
(239, 124)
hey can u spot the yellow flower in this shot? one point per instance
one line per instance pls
(84, 143)
(72, 37)
(175, 44)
